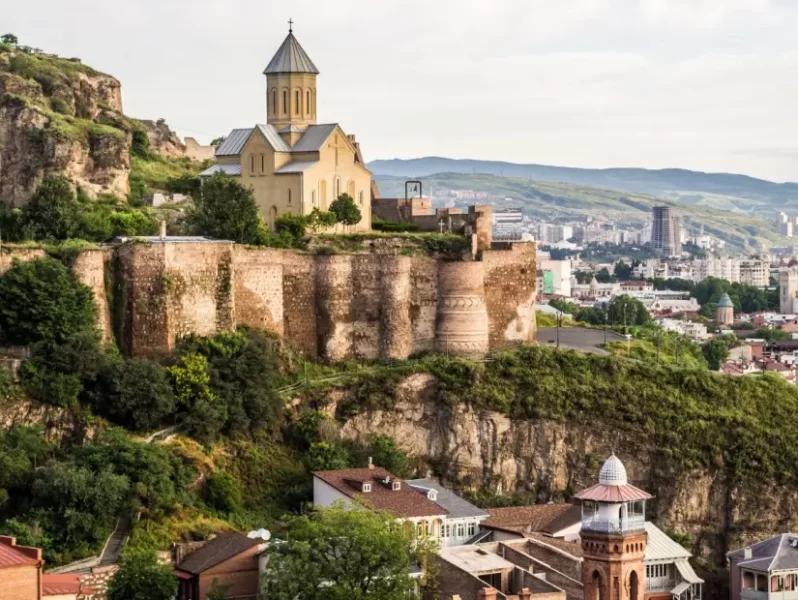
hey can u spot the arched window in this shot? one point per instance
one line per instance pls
(337, 187)
(307, 103)
(272, 217)
(350, 189)
(313, 197)
(298, 100)
(251, 164)
(262, 163)
(598, 593)
(274, 102)
(323, 194)
(360, 197)
(289, 197)
(634, 586)
(285, 102)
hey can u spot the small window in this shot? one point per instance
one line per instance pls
(252, 164)
(472, 529)
(447, 531)
(313, 198)
(289, 197)
(366, 487)
(360, 197)
(461, 530)
(307, 103)
(262, 163)
(297, 108)
(432, 495)
(285, 102)
(397, 485)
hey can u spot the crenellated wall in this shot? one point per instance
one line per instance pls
(375, 304)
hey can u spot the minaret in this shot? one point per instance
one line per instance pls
(291, 86)
(613, 536)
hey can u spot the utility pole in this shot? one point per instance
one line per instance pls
(559, 322)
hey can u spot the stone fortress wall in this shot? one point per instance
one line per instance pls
(379, 304)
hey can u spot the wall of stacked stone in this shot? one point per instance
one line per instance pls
(362, 305)
(90, 269)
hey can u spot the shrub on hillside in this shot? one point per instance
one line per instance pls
(226, 210)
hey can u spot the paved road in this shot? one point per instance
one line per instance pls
(577, 338)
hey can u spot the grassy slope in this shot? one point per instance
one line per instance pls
(566, 200)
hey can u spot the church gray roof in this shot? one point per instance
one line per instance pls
(290, 58)
(277, 142)
(234, 143)
(227, 169)
(314, 138)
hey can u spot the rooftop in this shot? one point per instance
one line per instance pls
(613, 485)
(547, 518)
(218, 550)
(290, 58)
(776, 553)
(661, 547)
(475, 560)
(404, 502)
(456, 506)
(12, 555)
(62, 585)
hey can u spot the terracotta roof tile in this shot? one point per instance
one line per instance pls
(11, 557)
(613, 493)
(526, 519)
(66, 583)
(404, 502)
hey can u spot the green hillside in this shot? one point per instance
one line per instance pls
(552, 200)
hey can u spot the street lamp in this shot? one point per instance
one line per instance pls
(558, 317)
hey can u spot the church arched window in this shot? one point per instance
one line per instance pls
(262, 164)
(285, 102)
(313, 197)
(272, 217)
(298, 101)
(307, 103)
(323, 194)
(337, 187)
(274, 102)
(350, 189)
(289, 197)
(360, 197)
(251, 164)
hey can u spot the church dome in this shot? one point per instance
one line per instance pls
(725, 302)
(612, 472)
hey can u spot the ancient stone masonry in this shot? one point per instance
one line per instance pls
(376, 304)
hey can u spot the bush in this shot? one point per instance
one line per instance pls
(226, 210)
(43, 301)
(345, 210)
(60, 106)
(378, 224)
(53, 212)
(224, 493)
(142, 577)
(324, 456)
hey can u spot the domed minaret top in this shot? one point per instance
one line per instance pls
(612, 472)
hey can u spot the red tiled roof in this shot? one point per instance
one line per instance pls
(404, 502)
(67, 583)
(613, 493)
(11, 557)
(528, 519)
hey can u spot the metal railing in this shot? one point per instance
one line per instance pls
(619, 525)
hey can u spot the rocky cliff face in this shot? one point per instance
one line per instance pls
(551, 460)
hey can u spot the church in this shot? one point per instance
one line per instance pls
(292, 163)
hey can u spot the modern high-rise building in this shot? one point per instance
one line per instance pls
(666, 233)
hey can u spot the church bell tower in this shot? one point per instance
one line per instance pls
(613, 536)
(291, 87)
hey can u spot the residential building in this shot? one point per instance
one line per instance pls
(755, 272)
(292, 163)
(767, 570)
(719, 268)
(463, 520)
(432, 509)
(561, 273)
(651, 269)
(595, 290)
(230, 561)
(692, 329)
(788, 294)
(666, 231)
(725, 312)
(66, 586)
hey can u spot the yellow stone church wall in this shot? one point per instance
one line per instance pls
(291, 99)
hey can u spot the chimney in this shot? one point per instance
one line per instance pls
(488, 593)
(371, 463)
(747, 553)
(525, 594)
(163, 229)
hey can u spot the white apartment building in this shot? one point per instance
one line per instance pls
(561, 270)
(720, 268)
(755, 272)
(695, 331)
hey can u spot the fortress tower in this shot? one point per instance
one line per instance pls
(613, 536)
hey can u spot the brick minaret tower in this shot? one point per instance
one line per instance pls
(613, 536)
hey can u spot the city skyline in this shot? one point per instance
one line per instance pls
(703, 85)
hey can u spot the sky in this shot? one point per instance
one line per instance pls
(710, 85)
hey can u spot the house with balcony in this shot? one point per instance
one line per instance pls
(767, 570)
(432, 509)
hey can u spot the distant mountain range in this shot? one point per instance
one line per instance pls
(735, 208)
(738, 193)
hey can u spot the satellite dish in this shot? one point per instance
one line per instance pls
(263, 534)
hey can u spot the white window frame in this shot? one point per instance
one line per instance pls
(461, 530)
(366, 487)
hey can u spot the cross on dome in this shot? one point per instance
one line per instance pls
(290, 25)
(613, 472)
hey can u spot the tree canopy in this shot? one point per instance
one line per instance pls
(345, 210)
(626, 310)
(226, 210)
(342, 555)
(141, 577)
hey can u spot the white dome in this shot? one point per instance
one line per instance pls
(613, 472)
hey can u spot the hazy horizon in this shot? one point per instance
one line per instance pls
(705, 85)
